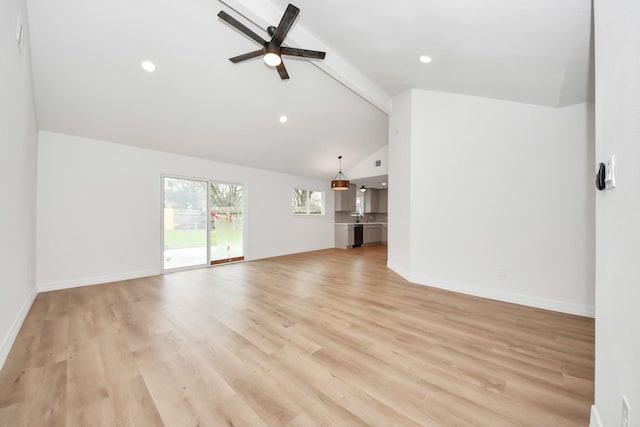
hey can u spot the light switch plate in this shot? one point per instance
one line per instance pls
(610, 177)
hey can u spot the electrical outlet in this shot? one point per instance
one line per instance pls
(626, 420)
(501, 272)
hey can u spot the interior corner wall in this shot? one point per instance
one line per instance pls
(617, 54)
(18, 144)
(502, 200)
(400, 185)
(99, 210)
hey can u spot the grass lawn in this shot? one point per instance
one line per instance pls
(181, 239)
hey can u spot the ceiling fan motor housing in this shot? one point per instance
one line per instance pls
(272, 47)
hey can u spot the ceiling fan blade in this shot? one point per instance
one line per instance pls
(285, 24)
(305, 53)
(240, 27)
(282, 71)
(246, 56)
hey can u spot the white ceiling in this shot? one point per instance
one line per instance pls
(88, 81)
(531, 51)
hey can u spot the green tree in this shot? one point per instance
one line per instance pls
(299, 200)
(184, 194)
(226, 198)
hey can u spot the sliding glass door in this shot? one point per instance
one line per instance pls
(185, 222)
(226, 222)
(202, 222)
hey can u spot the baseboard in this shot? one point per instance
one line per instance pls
(595, 418)
(8, 340)
(521, 299)
(95, 280)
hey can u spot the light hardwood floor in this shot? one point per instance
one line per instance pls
(322, 338)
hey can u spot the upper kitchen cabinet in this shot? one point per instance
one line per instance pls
(345, 201)
(375, 201)
(383, 198)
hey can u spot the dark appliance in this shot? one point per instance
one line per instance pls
(357, 235)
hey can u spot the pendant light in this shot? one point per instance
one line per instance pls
(363, 188)
(340, 182)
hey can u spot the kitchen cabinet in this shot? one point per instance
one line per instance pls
(371, 201)
(343, 236)
(372, 233)
(375, 201)
(345, 201)
(383, 201)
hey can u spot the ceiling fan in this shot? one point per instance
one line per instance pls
(272, 50)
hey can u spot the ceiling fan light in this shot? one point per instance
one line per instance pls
(272, 59)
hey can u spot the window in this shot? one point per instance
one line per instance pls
(307, 202)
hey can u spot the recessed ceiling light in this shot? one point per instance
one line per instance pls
(283, 119)
(384, 183)
(425, 59)
(148, 66)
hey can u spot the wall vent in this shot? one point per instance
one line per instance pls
(377, 163)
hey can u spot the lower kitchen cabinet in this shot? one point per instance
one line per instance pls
(372, 233)
(343, 236)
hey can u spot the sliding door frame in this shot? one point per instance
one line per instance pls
(209, 262)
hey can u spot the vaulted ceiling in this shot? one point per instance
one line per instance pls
(88, 81)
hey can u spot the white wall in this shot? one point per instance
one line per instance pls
(502, 185)
(18, 143)
(366, 168)
(617, 53)
(400, 186)
(98, 201)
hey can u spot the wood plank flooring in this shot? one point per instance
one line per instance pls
(315, 339)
